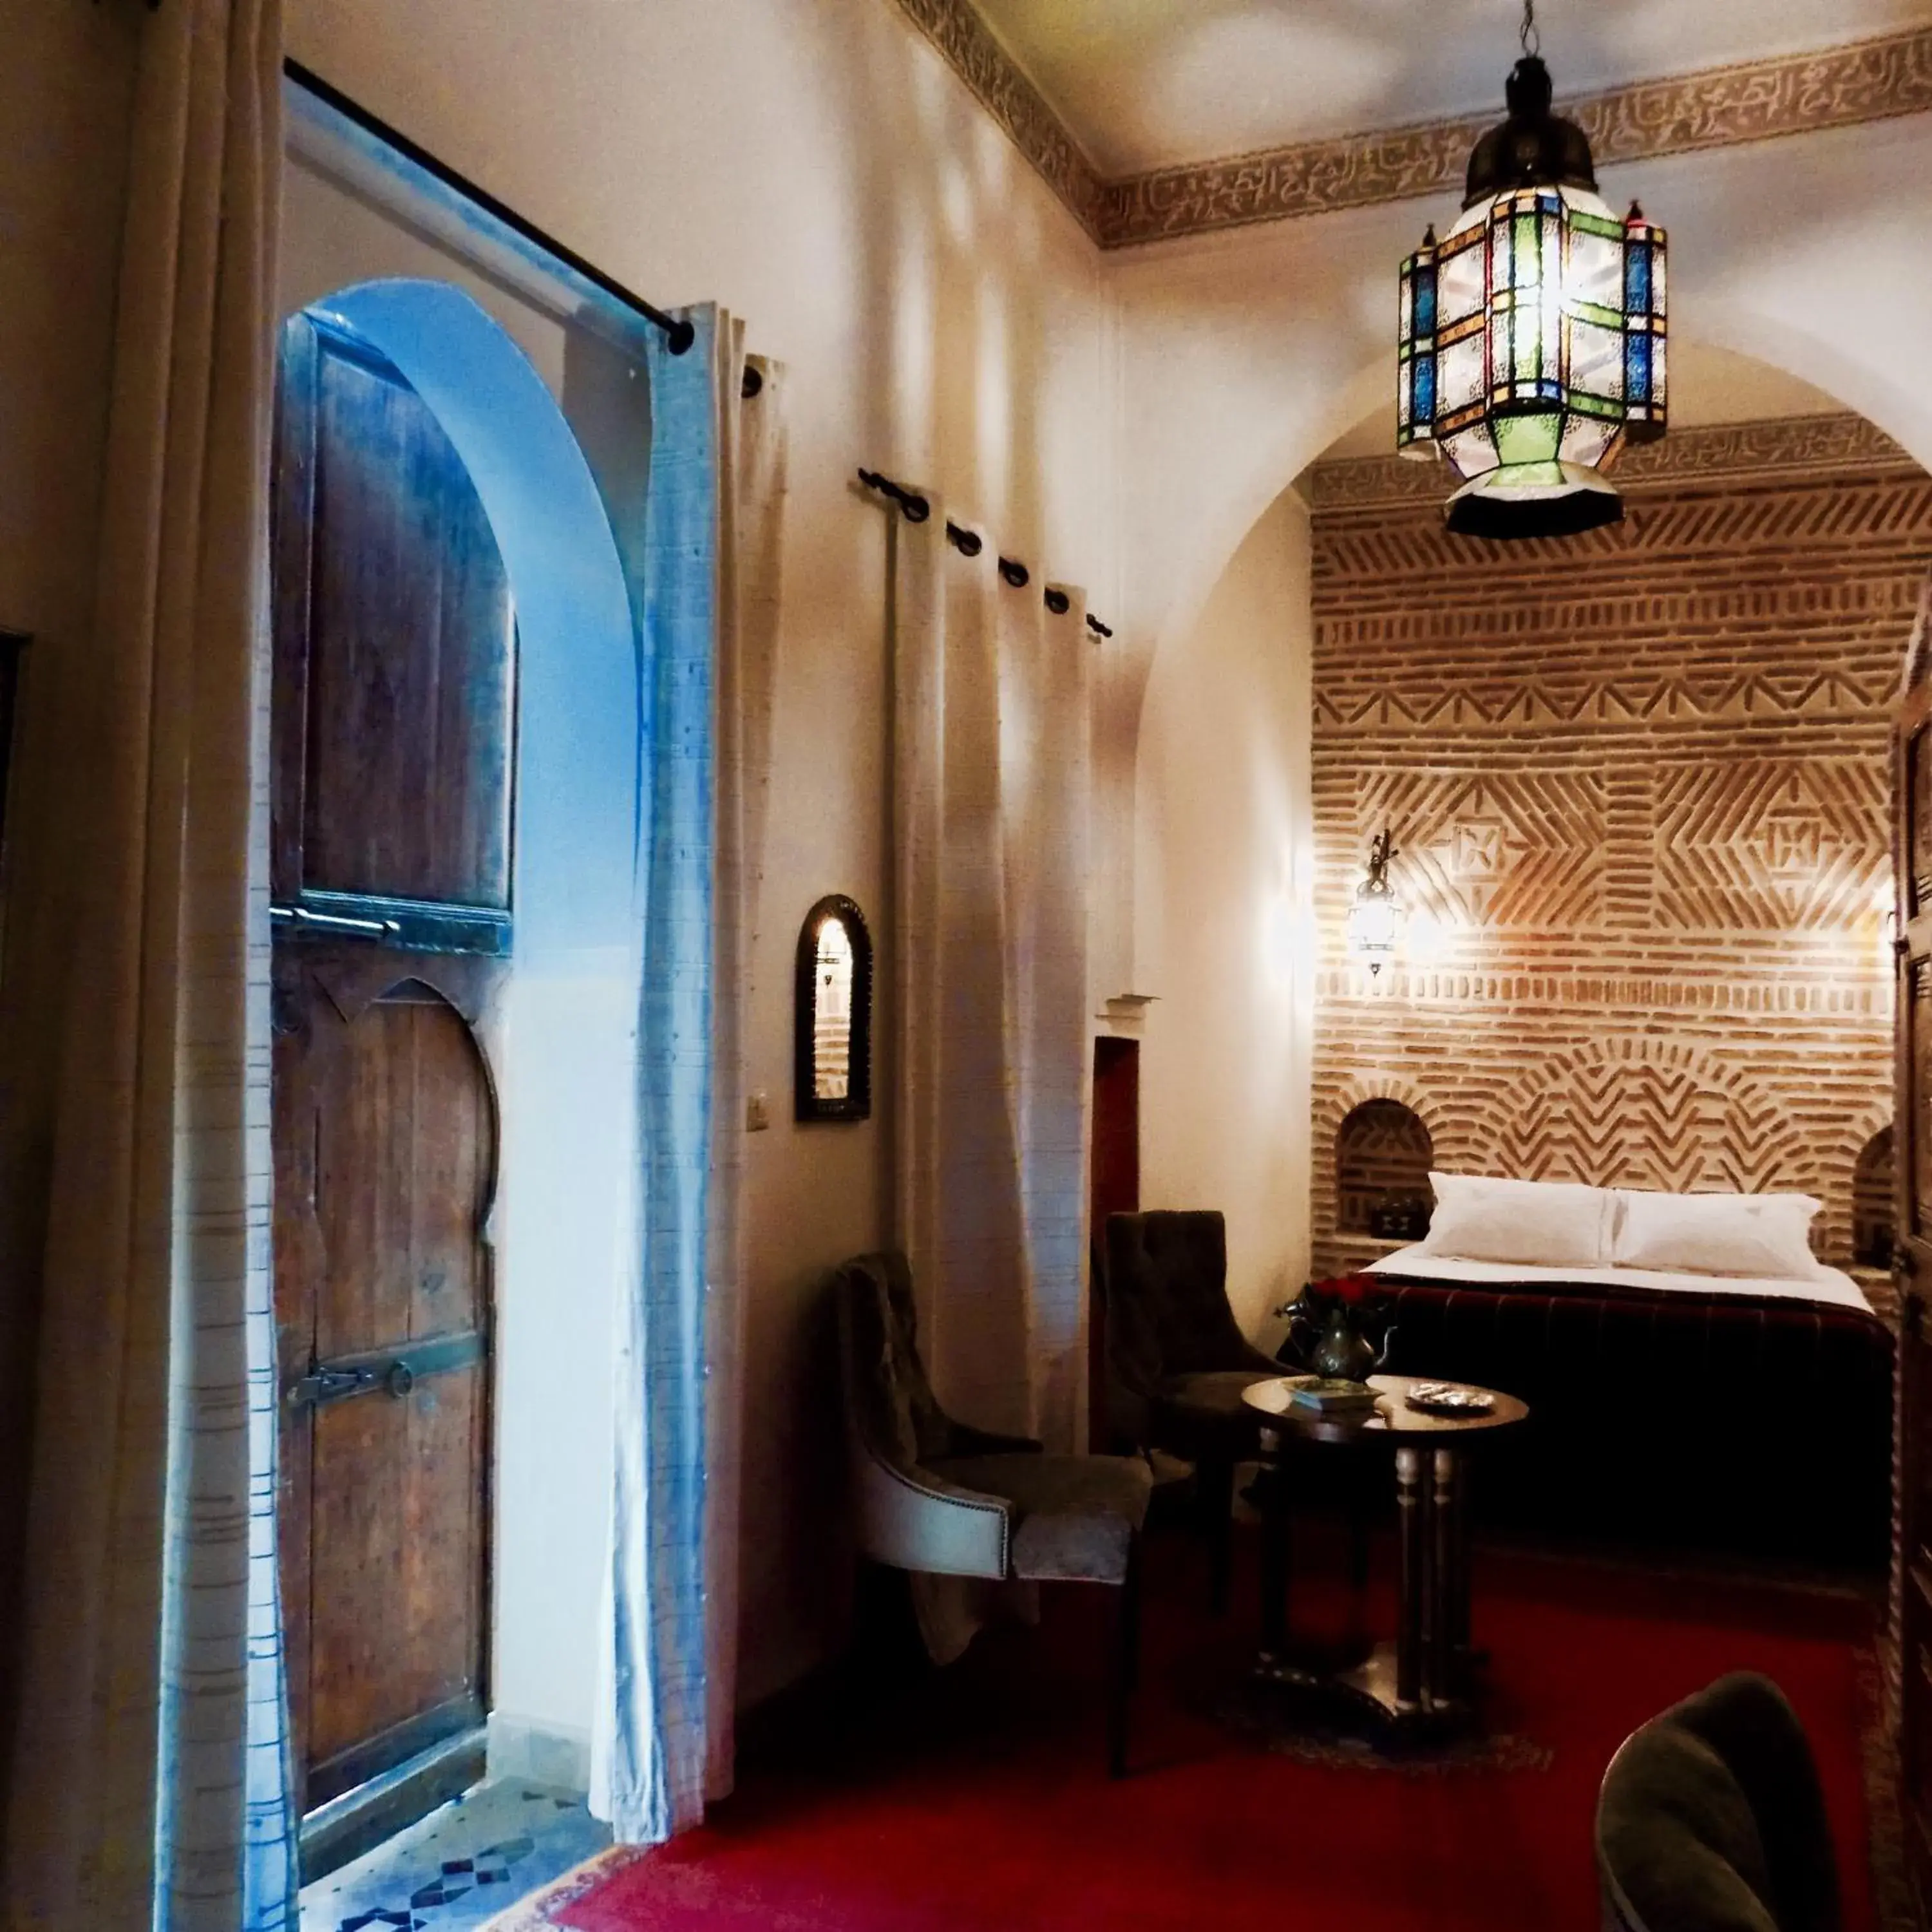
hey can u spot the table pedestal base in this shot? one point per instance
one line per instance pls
(1420, 1687)
(1365, 1699)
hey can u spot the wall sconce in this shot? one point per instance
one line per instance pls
(1376, 919)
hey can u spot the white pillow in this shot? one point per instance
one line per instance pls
(1763, 1237)
(1547, 1223)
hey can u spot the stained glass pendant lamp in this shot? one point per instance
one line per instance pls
(1533, 337)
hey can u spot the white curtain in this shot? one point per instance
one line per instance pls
(663, 1743)
(992, 756)
(752, 508)
(149, 1784)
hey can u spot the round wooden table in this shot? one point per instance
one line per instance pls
(1421, 1681)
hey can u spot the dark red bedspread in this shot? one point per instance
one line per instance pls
(1726, 1423)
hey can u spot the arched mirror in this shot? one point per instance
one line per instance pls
(834, 1067)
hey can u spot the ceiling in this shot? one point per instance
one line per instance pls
(1145, 84)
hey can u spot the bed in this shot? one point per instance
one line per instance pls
(1733, 1414)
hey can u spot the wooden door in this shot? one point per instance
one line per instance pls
(1113, 1187)
(1913, 1248)
(394, 696)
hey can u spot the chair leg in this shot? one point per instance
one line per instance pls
(1216, 1482)
(1127, 1660)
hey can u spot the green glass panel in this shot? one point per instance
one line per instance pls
(1528, 438)
(1527, 266)
(1539, 476)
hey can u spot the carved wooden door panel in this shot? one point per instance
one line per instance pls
(393, 704)
(1913, 844)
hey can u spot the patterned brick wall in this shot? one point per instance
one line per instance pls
(1639, 780)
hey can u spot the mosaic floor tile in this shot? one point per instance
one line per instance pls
(460, 1865)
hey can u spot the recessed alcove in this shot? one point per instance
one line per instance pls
(1874, 1225)
(1383, 1154)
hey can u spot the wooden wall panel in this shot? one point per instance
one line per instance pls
(1640, 783)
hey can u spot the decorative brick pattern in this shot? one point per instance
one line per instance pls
(1779, 446)
(1717, 107)
(1640, 782)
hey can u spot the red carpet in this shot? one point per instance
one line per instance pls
(977, 1801)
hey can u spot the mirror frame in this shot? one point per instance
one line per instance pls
(857, 1104)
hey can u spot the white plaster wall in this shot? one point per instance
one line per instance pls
(815, 165)
(1225, 852)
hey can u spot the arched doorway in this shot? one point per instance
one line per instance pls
(470, 759)
(1269, 755)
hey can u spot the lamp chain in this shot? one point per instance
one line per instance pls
(1531, 40)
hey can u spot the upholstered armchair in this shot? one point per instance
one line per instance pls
(1177, 1360)
(1710, 1820)
(937, 1496)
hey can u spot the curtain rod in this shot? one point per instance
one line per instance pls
(915, 509)
(679, 333)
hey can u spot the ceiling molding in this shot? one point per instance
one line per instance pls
(955, 28)
(1715, 107)
(1779, 448)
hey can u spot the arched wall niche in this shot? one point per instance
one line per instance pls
(1383, 1152)
(1874, 1208)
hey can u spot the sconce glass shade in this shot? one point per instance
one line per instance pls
(1375, 922)
(1531, 343)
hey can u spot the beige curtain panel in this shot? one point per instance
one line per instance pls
(751, 491)
(992, 763)
(131, 1790)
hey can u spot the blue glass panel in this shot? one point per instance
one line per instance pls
(1637, 281)
(1425, 388)
(1637, 369)
(1425, 301)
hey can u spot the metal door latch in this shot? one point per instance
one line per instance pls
(324, 1384)
(396, 1370)
(332, 921)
